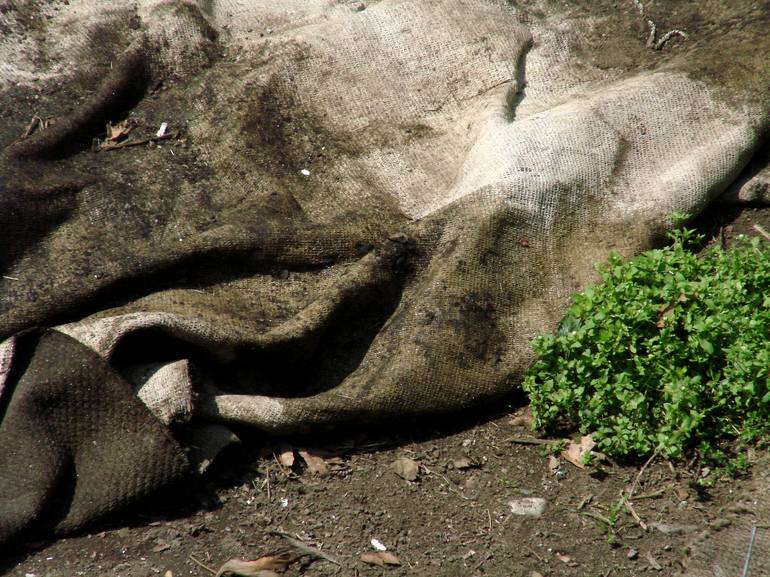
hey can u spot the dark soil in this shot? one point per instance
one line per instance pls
(454, 519)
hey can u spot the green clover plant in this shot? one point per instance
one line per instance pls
(670, 353)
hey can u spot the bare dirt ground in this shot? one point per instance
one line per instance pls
(452, 516)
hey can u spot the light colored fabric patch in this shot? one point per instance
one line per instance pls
(7, 350)
(166, 389)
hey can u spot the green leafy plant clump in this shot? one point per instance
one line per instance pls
(670, 353)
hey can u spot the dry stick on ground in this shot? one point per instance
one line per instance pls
(762, 231)
(597, 517)
(638, 477)
(449, 483)
(202, 564)
(127, 143)
(630, 508)
(652, 495)
(33, 124)
(535, 441)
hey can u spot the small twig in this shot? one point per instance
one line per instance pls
(202, 564)
(313, 552)
(531, 550)
(127, 143)
(449, 483)
(10, 277)
(760, 229)
(630, 508)
(285, 471)
(652, 495)
(597, 517)
(585, 501)
(638, 477)
(484, 559)
(33, 124)
(489, 518)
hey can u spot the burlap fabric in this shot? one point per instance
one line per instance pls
(336, 213)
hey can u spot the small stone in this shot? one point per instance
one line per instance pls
(721, 523)
(463, 463)
(632, 554)
(305, 172)
(528, 506)
(667, 529)
(406, 468)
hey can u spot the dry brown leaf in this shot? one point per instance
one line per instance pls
(119, 131)
(406, 468)
(575, 451)
(381, 558)
(553, 464)
(682, 493)
(262, 567)
(286, 456)
(522, 418)
(335, 462)
(566, 559)
(315, 464)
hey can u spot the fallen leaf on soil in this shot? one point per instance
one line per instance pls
(575, 452)
(168, 574)
(119, 131)
(553, 464)
(566, 559)
(161, 546)
(315, 464)
(682, 493)
(286, 456)
(652, 561)
(406, 468)
(262, 567)
(381, 558)
(536, 574)
(522, 418)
